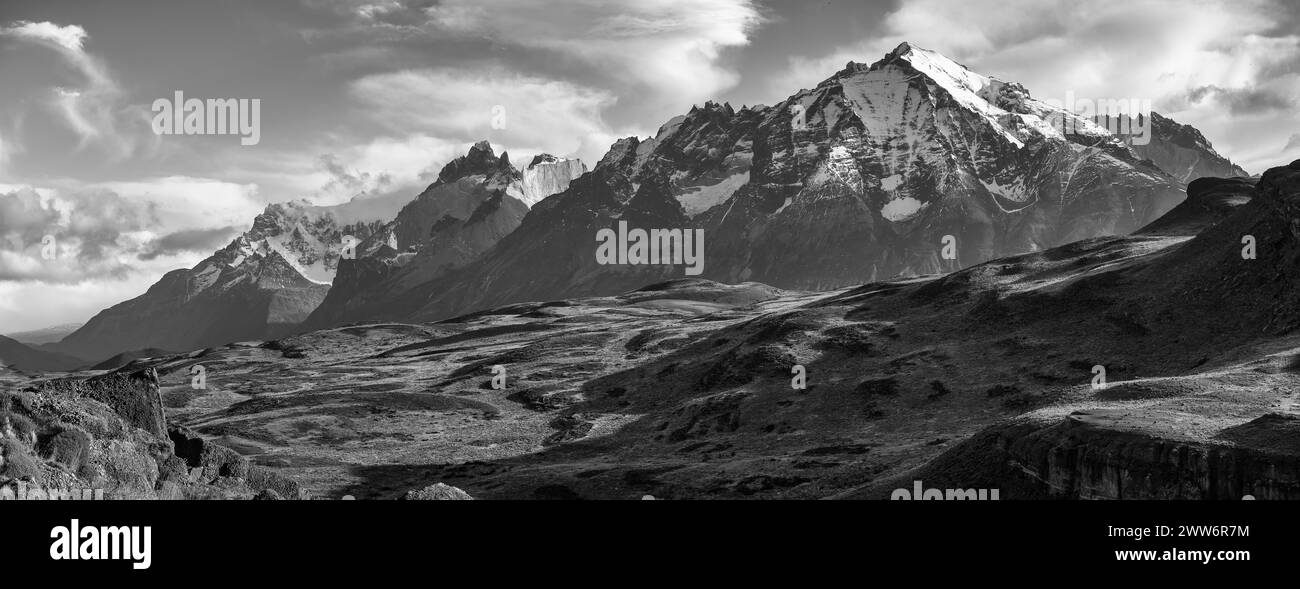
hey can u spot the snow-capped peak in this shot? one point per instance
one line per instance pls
(1007, 107)
(954, 77)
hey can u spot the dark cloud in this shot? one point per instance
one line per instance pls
(351, 181)
(1293, 143)
(23, 219)
(1244, 100)
(87, 227)
(188, 240)
(98, 218)
(95, 219)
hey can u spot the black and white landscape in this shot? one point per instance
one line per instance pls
(909, 270)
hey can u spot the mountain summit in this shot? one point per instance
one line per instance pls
(479, 198)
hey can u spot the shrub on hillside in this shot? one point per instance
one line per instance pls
(16, 461)
(69, 447)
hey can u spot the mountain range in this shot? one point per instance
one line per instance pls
(877, 172)
(863, 178)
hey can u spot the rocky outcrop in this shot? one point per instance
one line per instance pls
(1081, 458)
(208, 462)
(437, 492)
(1209, 200)
(1280, 189)
(1208, 276)
(134, 396)
(109, 434)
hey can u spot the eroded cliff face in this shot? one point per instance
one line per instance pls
(478, 200)
(548, 175)
(1084, 456)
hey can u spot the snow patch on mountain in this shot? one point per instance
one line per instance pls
(901, 209)
(1015, 192)
(889, 107)
(703, 198)
(306, 254)
(839, 168)
(667, 129)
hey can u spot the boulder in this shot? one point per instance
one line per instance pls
(134, 396)
(437, 492)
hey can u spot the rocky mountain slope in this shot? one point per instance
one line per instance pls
(1184, 153)
(477, 200)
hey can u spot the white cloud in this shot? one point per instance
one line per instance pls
(68, 237)
(94, 110)
(70, 37)
(34, 305)
(101, 229)
(535, 114)
(372, 10)
(181, 202)
(670, 51)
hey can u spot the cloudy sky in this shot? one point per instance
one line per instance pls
(372, 97)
